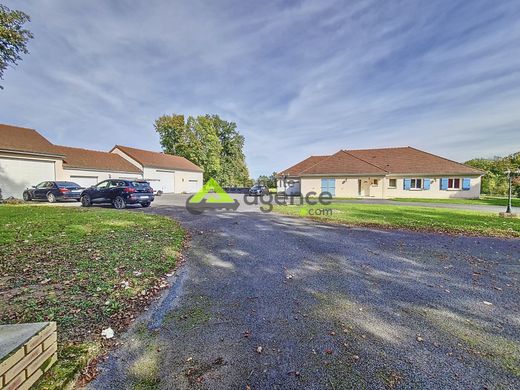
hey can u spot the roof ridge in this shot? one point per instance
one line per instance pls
(88, 150)
(386, 148)
(368, 162)
(319, 162)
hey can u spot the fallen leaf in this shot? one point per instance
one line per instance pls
(259, 349)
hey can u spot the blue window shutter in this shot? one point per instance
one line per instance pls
(332, 187)
(444, 183)
(324, 185)
(466, 184)
(407, 184)
(426, 184)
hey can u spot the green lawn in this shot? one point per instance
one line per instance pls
(483, 201)
(85, 269)
(414, 218)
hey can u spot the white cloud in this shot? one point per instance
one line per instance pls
(306, 78)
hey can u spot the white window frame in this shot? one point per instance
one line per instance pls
(452, 179)
(414, 182)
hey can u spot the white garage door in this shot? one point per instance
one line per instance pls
(162, 181)
(85, 181)
(193, 186)
(18, 174)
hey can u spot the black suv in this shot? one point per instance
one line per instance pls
(119, 192)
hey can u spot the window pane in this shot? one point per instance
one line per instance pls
(457, 183)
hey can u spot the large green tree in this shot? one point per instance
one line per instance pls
(208, 141)
(495, 181)
(13, 37)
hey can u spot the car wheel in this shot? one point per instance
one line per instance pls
(26, 196)
(51, 198)
(119, 203)
(86, 201)
(146, 204)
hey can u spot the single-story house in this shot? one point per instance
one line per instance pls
(403, 172)
(165, 172)
(27, 158)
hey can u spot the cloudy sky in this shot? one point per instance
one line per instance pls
(299, 77)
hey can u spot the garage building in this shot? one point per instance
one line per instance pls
(27, 158)
(88, 167)
(165, 172)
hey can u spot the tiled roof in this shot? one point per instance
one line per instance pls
(21, 139)
(408, 160)
(93, 159)
(404, 160)
(302, 165)
(159, 160)
(343, 163)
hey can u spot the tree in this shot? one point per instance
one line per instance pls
(234, 170)
(13, 37)
(269, 181)
(208, 141)
(495, 181)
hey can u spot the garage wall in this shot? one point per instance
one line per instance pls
(19, 171)
(188, 182)
(86, 177)
(160, 179)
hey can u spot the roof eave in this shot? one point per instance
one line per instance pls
(34, 153)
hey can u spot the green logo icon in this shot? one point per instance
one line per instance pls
(210, 197)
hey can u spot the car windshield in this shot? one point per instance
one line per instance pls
(256, 188)
(66, 184)
(142, 185)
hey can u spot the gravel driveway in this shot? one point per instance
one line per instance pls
(274, 302)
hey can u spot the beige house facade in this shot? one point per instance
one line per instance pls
(382, 173)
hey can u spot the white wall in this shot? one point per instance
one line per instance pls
(186, 181)
(100, 175)
(20, 171)
(160, 179)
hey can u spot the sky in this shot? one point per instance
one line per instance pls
(299, 78)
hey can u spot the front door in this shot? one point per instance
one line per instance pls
(364, 187)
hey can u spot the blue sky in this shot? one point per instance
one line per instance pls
(299, 77)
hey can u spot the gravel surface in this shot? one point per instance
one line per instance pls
(275, 302)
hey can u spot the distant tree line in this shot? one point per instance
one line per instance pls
(268, 181)
(212, 143)
(495, 181)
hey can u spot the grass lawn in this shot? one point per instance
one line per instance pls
(414, 218)
(85, 269)
(494, 201)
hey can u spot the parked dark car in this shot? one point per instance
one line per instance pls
(119, 192)
(258, 190)
(53, 191)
